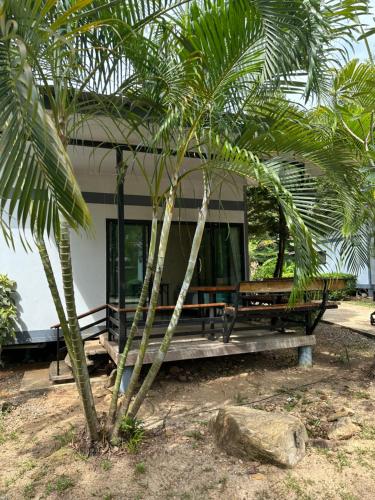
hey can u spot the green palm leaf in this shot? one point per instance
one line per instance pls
(35, 171)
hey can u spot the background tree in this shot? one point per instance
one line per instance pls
(267, 230)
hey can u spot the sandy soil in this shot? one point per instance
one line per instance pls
(39, 458)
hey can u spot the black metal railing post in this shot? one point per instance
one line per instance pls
(57, 351)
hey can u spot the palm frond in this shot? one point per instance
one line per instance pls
(36, 179)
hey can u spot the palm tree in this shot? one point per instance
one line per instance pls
(37, 64)
(349, 112)
(227, 43)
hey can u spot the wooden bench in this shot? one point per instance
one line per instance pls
(269, 299)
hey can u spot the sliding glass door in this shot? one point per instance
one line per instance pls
(136, 246)
(220, 262)
(221, 259)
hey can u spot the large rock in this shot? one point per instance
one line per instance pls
(260, 435)
(343, 428)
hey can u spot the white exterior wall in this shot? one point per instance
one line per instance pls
(95, 174)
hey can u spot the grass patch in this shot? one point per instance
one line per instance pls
(140, 468)
(27, 465)
(342, 460)
(365, 458)
(4, 436)
(368, 432)
(298, 487)
(29, 491)
(2, 431)
(61, 484)
(344, 495)
(66, 437)
(339, 459)
(361, 395)
(132, 432)
(106, 464)
(197, 435)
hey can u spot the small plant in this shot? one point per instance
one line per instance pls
(14, 436)
(239, 398)
(361, 395)
(291, 403)
(368, 432)
(140, 468)
(29, 491)
(2, 430)
(28, 465)
(132, 432)
(342, 460)
(61, 484)
(292, 484)
(8, 311)
(197, 435)
(106, 464)
(223, 482)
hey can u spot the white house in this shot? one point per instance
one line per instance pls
(223, 256)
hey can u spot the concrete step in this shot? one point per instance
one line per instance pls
(93, 348)
(65, 373)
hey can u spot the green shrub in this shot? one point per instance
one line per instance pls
(8, 311)
(267, 269)
(348, 291)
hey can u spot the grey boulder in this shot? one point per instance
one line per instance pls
(260, 435)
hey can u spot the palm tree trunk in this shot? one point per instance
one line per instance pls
(48, 271)
(137, 317)
(168, 214)
(82, 374)
(158, 361)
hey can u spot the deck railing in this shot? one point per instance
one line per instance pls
(99, 321)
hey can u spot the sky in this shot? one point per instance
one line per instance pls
(360, 50)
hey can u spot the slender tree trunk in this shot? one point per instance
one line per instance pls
(137, 316)
(160, 356)
(48, 271)
(283, 235)
(168, 214)
(82, 374)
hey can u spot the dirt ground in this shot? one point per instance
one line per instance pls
(39, 458)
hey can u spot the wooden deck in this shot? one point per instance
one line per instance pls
(197, 345)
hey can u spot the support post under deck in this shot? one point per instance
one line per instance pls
(305, 356)
(125, 379)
